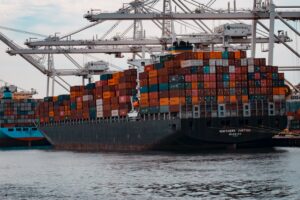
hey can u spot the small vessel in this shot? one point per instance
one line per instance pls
(17, 121)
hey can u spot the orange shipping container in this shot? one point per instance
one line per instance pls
(218, 55)
(212, 55)
(145, 96)
(111, 82)
(282, 91)
(144, 103)
(195, 100)
(153, 73)
(174, 101)
(237, 54)
(164, 101)
(117, 75)
(108, 94)
(275, 91)
(245, 99)
(233, 99)
(194, 85)
(199, 55)
(232, 84)
(221, 99)
(182, 100)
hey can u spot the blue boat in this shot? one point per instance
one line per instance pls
(21, 136)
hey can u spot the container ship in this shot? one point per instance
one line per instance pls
(17, 119)
(187, 101)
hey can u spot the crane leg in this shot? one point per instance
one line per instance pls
(48, 86)
(53, 85)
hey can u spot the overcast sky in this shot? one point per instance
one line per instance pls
(50, 16)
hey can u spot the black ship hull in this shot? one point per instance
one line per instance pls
(167, 134)
(9, 142)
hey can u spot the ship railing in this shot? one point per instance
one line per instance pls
(256, 108)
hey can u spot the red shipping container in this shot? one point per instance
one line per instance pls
(153, 81)
(206, 77)
(188, 92)
(232, 77)
(143, 82)
(194, 93)
(163, 94)
(188, 78)
(123, 112)
(149, 68)
(163, 79)
(213, 85)
(194, 78)
(200, 77)
(153, 95)
(212, 77)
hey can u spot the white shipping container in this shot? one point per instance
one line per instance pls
(87, 98)
(212, 62)
(99, 114)
(219, 62)
(279, 97)
(212, 69)
(115, 113)
(191, 63)
(225, 62)
(99, 108)
(231, 69)
(244, 62)
(99, 102)
(251, 69)
(250, 61)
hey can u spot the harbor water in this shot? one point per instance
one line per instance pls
(49, 174)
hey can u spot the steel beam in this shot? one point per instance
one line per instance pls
(83, 51)
(291, 15)
(194, 40)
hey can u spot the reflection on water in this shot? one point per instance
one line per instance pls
(46, 174)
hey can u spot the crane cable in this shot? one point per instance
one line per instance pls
(22, 31)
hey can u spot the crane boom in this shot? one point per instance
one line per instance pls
(28, 58)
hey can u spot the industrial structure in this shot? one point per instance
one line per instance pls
(164, 14)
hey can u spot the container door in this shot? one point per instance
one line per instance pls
(196, 111)
(246, 110)
(221, 110)
(271, 109)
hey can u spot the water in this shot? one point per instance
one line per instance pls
(47, 174)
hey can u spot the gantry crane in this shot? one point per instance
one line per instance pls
(189, 13)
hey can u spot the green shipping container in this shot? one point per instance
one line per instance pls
(164, 109)
(163, 87)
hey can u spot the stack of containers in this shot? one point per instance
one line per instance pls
(209, 79)
(157, 85)
(62, 107)
(206, 79)
(114, 92)
(17, 113)
(76, 104)
(109, 97)
(88, 101)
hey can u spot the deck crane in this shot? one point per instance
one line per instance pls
(173, 11)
